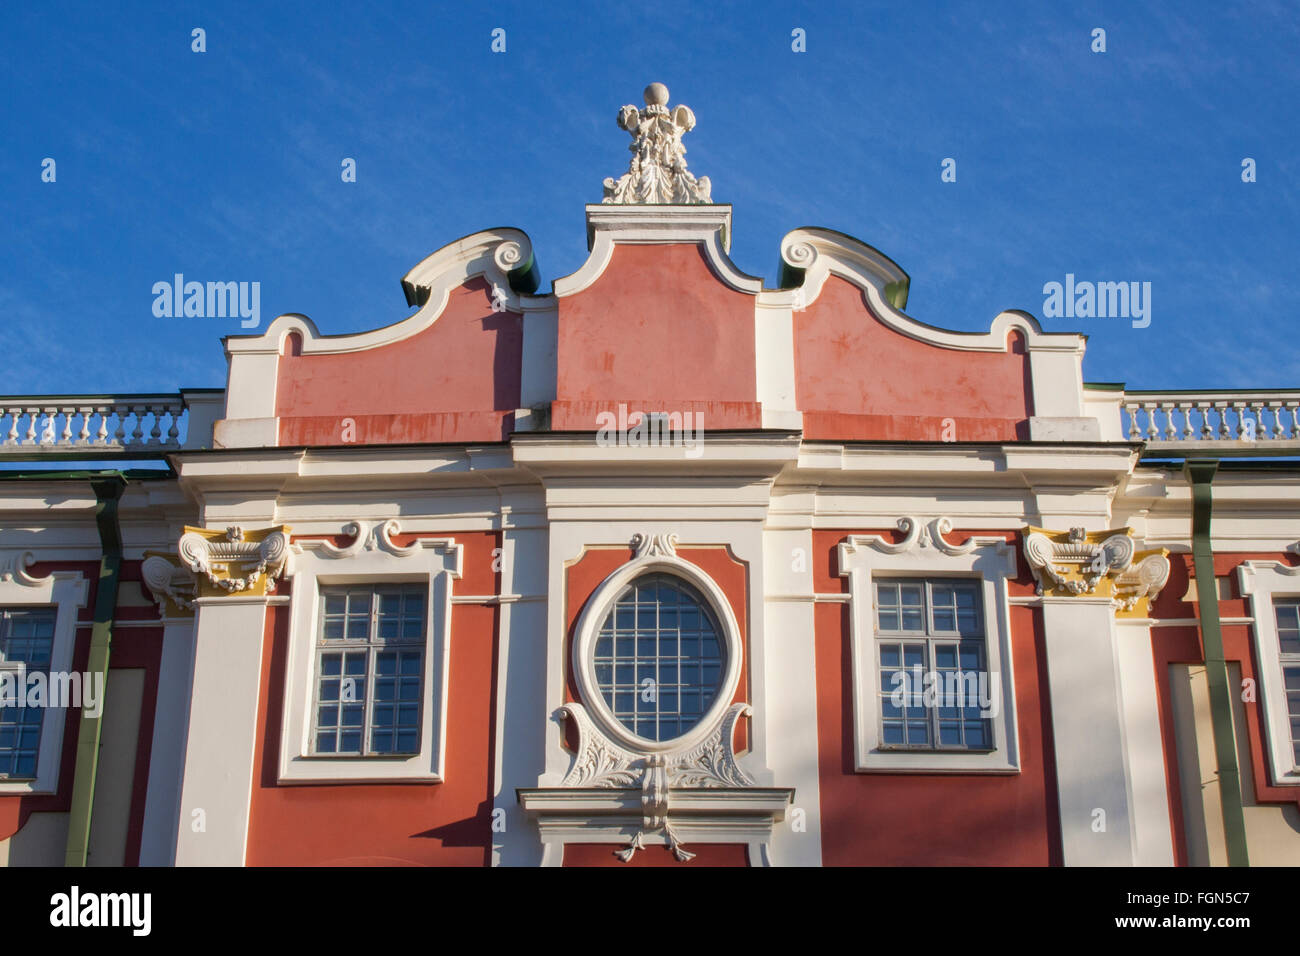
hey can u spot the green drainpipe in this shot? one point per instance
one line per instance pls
(1201, 474)
(108, 490)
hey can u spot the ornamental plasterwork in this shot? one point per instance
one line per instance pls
(14, 565)
(918, 536)
(657, 173)
(601, 763)
(654, 545)
(369, 536)
(611, 758)
(173, 586)
(1098, 563)
(234, 561)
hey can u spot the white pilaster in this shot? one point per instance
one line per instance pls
(167, 752)
(1144, 746)
(222, 733)
(1083, 674)
(521, 723)
(791, 669)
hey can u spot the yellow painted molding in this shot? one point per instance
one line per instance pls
(234, 561)
(1105, 564)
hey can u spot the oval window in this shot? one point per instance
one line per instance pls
(659, 657)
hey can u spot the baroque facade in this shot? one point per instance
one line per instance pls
(660, 567)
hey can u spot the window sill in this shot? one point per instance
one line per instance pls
(345, 768)
(376, 757)
(936, 751)
(886, 760)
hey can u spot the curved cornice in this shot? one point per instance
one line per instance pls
(503, 257)
(609, 226)
(819, 253)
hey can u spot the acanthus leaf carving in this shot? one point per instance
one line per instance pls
(654, 545)
(599, 762)
(710, 764)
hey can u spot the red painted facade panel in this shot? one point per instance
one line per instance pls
(656, 345)
(408, 824)
(927, 819)
(582, 578)
(856, 378)
(456, 381)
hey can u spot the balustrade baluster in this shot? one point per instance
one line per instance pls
(173, 429)
(155, 433)
(1152, 432)
(119, 434)
(1171, 433)
(1225, 429)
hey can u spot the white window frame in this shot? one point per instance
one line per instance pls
(930, 638)
(1260, 581)
(925, 554)
(593, 617)
(371, 648)
(371, 559)
(67, 592)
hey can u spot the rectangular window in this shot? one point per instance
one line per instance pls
(26, 642)
(1287, 611)
(369, 665)
(933, 670)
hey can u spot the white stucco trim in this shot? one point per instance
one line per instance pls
(1144, 756)
(67, 592)
(774, 360)
(1260, 581)
(221, 737)
(1093, 730)
(492, 253)
(925, 553)
(611, 225)
(371, 558)
(823, 252)
(167, 753)
(746, 816)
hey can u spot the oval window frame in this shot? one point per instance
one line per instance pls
(598, 608)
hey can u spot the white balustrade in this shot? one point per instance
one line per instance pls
(1238, 420)
(93, 423)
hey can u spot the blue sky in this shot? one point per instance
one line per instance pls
(225, 165)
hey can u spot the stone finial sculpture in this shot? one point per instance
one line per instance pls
(657, 173)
